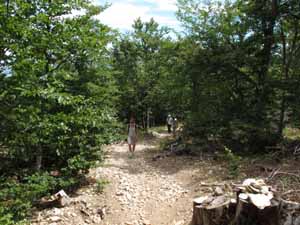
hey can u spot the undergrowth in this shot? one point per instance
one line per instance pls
(101, 185)
(233, 161)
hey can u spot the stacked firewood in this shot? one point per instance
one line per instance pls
(252, 203)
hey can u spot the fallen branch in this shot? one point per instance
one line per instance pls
(211, 184)
(282, 185)
(286, 173)
(289, 192)
(273, 173)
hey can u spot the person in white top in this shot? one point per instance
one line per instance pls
(132, 135)
(169, 123)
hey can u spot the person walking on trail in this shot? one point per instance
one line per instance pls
(132, 135)
(169, 123)
(174, 126)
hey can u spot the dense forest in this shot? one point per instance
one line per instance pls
(70, 83)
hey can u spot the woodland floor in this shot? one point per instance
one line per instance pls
(142, 190)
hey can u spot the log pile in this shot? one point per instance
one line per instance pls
(252, 203)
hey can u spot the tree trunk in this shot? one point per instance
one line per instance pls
(268, 23)
(148, 119)
(285, 71)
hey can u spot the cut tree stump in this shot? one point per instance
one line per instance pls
(289, 213)
(254, 204)
(213, 210)
(248, 213)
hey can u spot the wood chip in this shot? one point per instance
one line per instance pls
(261, 201)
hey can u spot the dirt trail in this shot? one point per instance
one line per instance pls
(141, 190)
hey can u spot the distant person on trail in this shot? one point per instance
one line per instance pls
(174, 125)
(132, 135)
(169, 123)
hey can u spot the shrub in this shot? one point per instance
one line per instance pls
(100, 185)
(6, 218)
(18, 197)
(233, 162)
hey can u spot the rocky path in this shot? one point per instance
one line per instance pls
(141, 191)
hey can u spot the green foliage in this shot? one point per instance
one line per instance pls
(141, 62)
(58, 96)
(237, 74)
(5, 218)
(101, 184)
(78, 163)
(18, 196)
(233, 162)
(291, 133)
(164, 144)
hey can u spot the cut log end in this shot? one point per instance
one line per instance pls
(255, 204)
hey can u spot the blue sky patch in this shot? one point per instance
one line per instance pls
(122, 13)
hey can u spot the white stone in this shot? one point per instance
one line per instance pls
(55, 219)
(57, 212)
